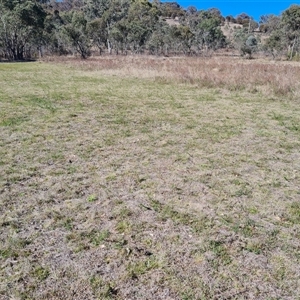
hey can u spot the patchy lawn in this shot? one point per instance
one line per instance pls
(120, 186)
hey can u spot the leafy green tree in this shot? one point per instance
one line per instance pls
(160, 40)
(243, 18)
(94, 9)
(250, 46)
(245, 43)
(120, 35)
(75, 32)
(182, 39)
(216, 13)
(205, 26)
(69, 5)
(171, 10)
(96, 30)
(230, 19)
(191, 10)
(210, 35)
(291, 26)
(275, 45)
(142, 18)
(108, 13)
(21, 27)
(284, 32)
(291, 19)
(54, 42)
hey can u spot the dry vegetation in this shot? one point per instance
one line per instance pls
(149, 178)
(269, 78)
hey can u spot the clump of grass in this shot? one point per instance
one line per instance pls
(13, 121)
(40, 273)
(139, 268)
(102, 289)
(168, 212)
(92, 198)
(294, 212)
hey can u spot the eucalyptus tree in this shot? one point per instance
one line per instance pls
(205, 27)
(142, 19)
(95, 9)
(246, 43)
(160, 41)
(75, 32)
(21, 27)
(275, 44)
(284, 32)
(210, 35)
(120, 36)
(181, 39)
(104, 15)
(291, 26)
(269, 23)
(97, 31)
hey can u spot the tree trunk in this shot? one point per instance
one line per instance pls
(108, 46)
(292, 50)
(40, 49)
(20, 52)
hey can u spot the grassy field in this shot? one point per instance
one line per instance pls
(149, 178)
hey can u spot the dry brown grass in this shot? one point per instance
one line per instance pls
(121, 179)
(234, 74)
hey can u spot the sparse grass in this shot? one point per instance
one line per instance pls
(40, 273)
(149, 178)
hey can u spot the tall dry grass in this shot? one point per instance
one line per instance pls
(278, 78)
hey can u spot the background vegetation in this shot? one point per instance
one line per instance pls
(32, 28)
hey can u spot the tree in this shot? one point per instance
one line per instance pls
(275, 43)
(205, 27)
(230, 19)
(21, 26)
(181, 39)
(120, 34)
(250, 46)
(108, 13)
(216, 13)
(243, 18)
(136, 27)
(96, 30)
(191, 10)
(291, 25)
(160, 40)
(211, 35)
(94, 9)
(171, 10)
(269, 23)
(291, 19)
(245, 43)
(284, 32)
(69, 5)
(76, 33)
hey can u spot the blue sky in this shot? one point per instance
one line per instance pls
(254, 8)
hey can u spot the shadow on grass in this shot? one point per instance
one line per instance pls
(17, 61)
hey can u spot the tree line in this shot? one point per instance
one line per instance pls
(32, 28)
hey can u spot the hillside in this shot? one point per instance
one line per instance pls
(122, 27)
